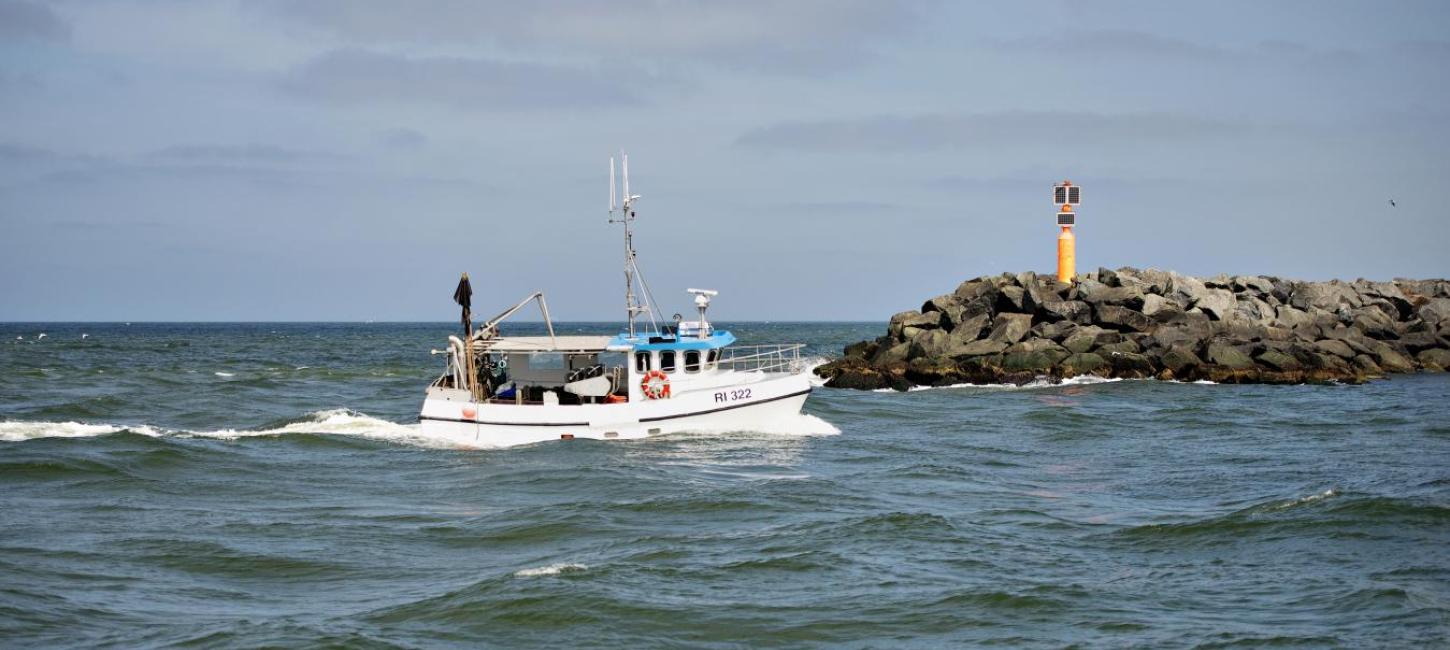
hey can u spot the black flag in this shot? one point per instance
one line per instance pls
(463, 295)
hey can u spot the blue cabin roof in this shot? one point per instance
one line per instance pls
(647, 342)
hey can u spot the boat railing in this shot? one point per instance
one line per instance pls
(762, 358)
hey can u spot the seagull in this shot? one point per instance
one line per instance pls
(85, 336)
(42, 335)
(1392, 203)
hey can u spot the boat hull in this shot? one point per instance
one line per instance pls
(755, 406)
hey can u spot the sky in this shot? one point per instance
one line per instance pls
(261, 160)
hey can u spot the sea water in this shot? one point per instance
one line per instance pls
(244, 485)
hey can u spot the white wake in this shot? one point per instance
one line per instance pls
(331, 422)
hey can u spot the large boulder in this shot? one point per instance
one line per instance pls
(1087, 337)
(1083, 363)
(1365, 366)
(1185, 290)
(1415, 342)
(1252, 284)
(1434, 311)
(1223, 354)
(1376, 324)
(852, 373)
(1189, 333)
(1292, 317)
(1035, 355)
(933, 371)
(1388, 292)
(1123, 319)
(1075, 311)
(943, 304)
(913, 318)
(1435, 359)
(1279, 360)
(1254, 310)
(929, 343)
(1125, 346)
(1335, 347)
(1131, 366)
(1085, 287)
(1329, 296)
(1130, 297)
(971, 329)
(1014, 299)
(1055, 330)
(1180, 359)
(1388, 358)
(1149, 281)
(1217, 303)
(978, 348)
(891, 354)
(1010, 328)
(1154, 304)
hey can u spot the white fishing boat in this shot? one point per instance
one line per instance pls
(653, 378)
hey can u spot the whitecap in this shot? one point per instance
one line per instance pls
(224, 374)
(550, 570)
(19, 431)
(1293, 503)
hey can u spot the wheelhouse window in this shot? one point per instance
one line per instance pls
(692, 361)
(667, 360)
(641, 362)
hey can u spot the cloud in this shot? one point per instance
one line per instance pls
(251, 153)
(1129, 46)
(355, 77)
(1104, 43)
(805, 35)
(944, 132)
(11, 152)
(21, 20)
(402, 139)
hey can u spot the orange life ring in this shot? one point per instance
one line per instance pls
(655, 384)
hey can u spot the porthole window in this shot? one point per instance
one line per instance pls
(692, 361)
(667, 360)
(641, 362)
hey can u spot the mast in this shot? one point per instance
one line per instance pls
(632, 307)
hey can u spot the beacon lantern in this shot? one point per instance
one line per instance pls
(1066, 195)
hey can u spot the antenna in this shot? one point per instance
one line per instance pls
(632, 307)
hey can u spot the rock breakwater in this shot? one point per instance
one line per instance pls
(1133, 323)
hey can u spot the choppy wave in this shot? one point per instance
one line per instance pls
(1329, 511)
(550, 570)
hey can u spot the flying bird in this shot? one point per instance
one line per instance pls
(1392, 203)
